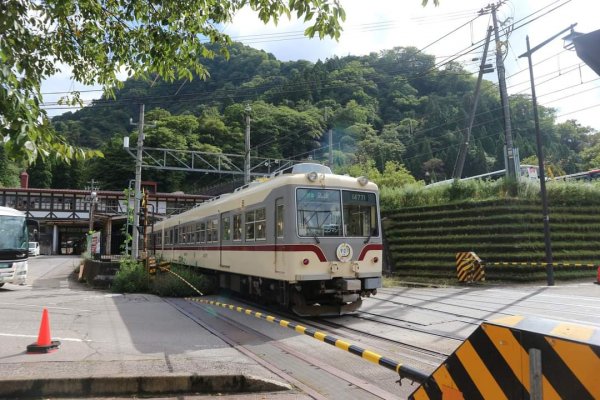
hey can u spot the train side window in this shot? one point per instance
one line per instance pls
(212, 231)
(237, 227)
(279, 218)
(260, 224)
(208, 231)
(202, 232)
(215, 230)
(226, 227)
(250, 225)
(192, 230)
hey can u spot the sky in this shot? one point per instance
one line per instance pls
(563, 81)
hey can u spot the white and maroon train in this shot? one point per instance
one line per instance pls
(305, 238)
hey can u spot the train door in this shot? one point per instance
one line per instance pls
(279, 235)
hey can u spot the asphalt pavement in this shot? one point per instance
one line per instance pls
(115, 345)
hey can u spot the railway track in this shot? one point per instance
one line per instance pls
(401, 349)
(312, 375)
(497, 305)
(408, 351)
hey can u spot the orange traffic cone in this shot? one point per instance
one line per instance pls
(44, 342)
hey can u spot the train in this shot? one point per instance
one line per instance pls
(304, 238)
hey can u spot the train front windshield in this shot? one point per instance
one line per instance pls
(336, 213)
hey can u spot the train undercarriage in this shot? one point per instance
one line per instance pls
(337, 296)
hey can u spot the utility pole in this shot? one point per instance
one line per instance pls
(483, 68)
(135, 245)
(508, 141)
(248, 110)
(540, 155)
(330, 134)
(93, 198)
(330, 148)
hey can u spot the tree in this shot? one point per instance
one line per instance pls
(434, 169)
(393, 175)
(97, 39)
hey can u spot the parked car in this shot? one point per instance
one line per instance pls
(34, 248)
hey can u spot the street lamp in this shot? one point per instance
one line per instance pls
(540, 155)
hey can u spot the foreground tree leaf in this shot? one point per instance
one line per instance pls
(97, 39)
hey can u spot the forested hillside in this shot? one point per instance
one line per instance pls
(389, 106)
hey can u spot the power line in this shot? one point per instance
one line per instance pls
(235, 93)
(463, 52)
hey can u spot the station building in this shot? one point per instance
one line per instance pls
(59, 219)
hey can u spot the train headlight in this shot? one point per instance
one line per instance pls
(362, 180)
(312, 176)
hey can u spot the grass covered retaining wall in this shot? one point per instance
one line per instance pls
(423, 241)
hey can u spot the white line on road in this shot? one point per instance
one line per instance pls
(35, 336)
(48, 307)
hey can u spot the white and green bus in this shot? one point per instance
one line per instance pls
(13, 246)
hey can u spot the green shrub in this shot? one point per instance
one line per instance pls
(168, 284)
(131, 277)
(475, 190)
(460, 190)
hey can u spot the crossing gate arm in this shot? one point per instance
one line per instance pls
(402, 370)
(520, 358)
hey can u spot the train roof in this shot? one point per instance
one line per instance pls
(11, 212)
(298, 175)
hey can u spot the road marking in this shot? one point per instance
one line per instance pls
(35, 336)
(48, 307)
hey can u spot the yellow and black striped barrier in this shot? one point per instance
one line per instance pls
(469, 267)
(402, 370)
(520, 358)
(535, 264)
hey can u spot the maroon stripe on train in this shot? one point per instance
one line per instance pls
(265, 247)
(369, 247)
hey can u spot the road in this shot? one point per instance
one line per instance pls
(418, 327)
